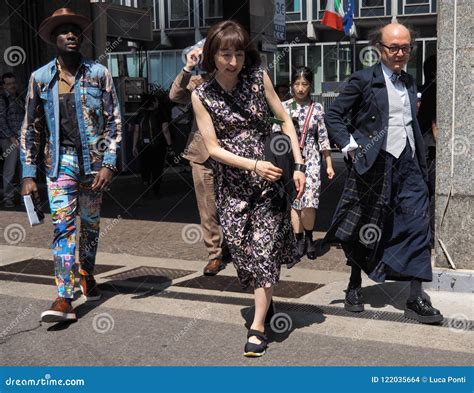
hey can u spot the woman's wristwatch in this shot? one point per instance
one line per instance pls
(300, 167)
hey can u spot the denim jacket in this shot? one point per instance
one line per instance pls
(98, 118)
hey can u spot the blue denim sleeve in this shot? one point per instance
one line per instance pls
(112, 119)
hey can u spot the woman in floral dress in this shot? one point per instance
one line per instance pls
(232, 112)
(303, 212)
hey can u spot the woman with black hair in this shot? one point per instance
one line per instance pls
(232, 111)
(307, 116)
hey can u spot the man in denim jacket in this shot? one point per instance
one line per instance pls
(71, 104)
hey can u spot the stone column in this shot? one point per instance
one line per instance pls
(455, 118)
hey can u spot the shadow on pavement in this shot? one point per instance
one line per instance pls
(283, 323)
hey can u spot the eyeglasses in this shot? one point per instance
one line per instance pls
(395, 49)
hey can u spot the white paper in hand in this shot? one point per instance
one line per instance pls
(35, 216)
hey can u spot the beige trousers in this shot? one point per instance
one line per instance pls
(203, 179)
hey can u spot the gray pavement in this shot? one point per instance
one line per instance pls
(144, 338)
(142, 321)
(158, 309)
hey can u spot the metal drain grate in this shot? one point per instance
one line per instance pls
(460, 325)
(288, 289)
(28, 279)
(124, 287)
(45, 267)
(150, 275)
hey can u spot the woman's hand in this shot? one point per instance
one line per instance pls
(300, 180)
(330, 172)
(135, 151)
(193, 58)
(268, 171)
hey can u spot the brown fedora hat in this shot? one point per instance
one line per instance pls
(60, 17)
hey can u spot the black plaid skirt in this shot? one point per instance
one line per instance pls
(382, 221)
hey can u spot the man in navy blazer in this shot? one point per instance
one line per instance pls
(382, 220)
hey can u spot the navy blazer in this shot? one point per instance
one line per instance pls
(364, 103)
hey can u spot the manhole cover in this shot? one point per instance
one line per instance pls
(288, 289)
(150, 275)
(45, 267)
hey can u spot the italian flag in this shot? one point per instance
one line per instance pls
(333, 15)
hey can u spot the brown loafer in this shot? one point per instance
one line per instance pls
(60, 311)
(213, 267)
(90, 291)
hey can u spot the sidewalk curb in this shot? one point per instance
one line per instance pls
(448, 280)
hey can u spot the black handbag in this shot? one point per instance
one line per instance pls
(277, 150)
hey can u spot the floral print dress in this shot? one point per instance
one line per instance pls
(259, 236)
(317, 140)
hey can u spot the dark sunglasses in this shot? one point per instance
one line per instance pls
(395, 48)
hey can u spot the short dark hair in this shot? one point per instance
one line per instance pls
(302, 72)
(231, 34)
(8, 75)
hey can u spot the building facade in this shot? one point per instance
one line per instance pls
(175, 25)
(330, 54)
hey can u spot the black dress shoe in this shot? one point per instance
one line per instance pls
(301, 247)
(310, 248)
(422, 311)
(354, 301)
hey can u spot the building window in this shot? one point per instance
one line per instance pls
(369, 8)
(156, 14)
(130, 3)
(293, 6)
(295, 10)
(126, 3)
(345, 62)
(298, 56)
(163, 67)
(213, 9)
(416, 6)
(372, 3)
(282, 69)
(179, 10)
(112, 65)
(314, 62)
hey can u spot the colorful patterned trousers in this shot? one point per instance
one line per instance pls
(70, 195)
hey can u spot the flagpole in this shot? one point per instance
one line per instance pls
(353, 53)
